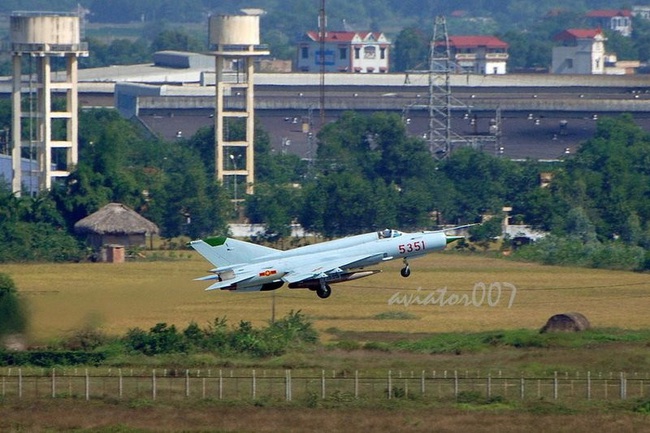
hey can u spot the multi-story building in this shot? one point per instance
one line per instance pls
(360, 52)
(618, 20)
(478, 54)
(641, 12)
(581, 51)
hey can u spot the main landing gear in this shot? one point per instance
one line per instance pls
(406, 270)
(324, 291)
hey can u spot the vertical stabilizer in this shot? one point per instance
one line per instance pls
(223, 251)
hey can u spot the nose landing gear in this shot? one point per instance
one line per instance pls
(406, 270)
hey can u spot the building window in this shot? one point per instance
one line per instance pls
(304, 52)
(357, 53)
(369, 52)
(343, 53)
(382, 53)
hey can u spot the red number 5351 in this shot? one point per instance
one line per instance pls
(411, 247)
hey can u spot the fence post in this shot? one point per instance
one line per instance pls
(20, 383)
(356, 384)
(254, 385)
(322, 385)
(640, 387)
(422, 383)
(489, 385)
(53, 383)
(589, 385)
(456, 384)
(555, 386)
(187, 383)
(390, 385)
(287, 384)
(220, 384)
(153, 384)
(87, 386)
(120, 386)
(406, 387)
(623, 387)
(522, 385)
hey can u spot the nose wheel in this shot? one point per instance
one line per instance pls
(406, 270)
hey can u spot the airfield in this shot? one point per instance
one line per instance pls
(446, 292)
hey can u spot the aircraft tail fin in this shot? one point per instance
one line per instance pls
(223, 251)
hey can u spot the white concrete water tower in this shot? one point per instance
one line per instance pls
(40, 37)
(235, 40)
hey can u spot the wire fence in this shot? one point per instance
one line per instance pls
(289, 385)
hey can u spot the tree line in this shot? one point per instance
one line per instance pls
(368, 174)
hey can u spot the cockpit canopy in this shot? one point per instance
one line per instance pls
(388, 233)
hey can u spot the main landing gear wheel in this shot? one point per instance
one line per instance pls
(406, 270)
(324, 291)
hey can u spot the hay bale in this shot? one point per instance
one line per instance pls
(566, 322)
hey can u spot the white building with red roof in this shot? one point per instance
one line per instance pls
(618, 20)
(344, 51)
(479, 54)
(580, 51)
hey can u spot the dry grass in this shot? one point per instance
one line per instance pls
(96, 416)
(116, 297)
(66, 297)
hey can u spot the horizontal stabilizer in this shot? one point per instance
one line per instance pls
(231, 282)
(207, 278)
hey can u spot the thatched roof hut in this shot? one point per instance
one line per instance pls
(566, 322)
(117, 224)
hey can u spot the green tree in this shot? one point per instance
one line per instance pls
(641, 38)
(346, 203)
(624, 47)
(13, 315)
(175, 40)
(609, 176)
(579, 226)
(276, 206)
(411, 50)
(481, 184)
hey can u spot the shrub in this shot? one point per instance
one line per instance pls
(291, 331)
(51, 358)
(86, 339)
(557, 250)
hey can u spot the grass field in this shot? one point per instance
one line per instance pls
(449, 287)
(443, 294)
